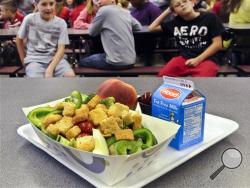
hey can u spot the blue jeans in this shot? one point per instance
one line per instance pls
(98, 61)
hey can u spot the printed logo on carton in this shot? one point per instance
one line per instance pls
(170, 93)
(177, 100)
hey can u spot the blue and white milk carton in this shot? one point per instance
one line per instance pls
(177, 100)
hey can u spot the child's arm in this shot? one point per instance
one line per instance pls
(211, 50)
(20, 49)
(57, 58)
(156, 25)
(136, 26)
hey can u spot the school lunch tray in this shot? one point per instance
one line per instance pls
(216, 129)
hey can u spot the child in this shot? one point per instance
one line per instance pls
(86, 16)
(70, 4)
(79, 5)
(198, 35)
(144, 11)
(62, 11)
(123, 3)
(221, 10)
(9, 14)
(46, 37)
(26, 6)
(115, 25)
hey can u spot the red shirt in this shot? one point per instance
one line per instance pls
(65, 13)
(217, 7)
(15, 22)
(75, 12)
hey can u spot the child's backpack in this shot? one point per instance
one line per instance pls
(9, 54)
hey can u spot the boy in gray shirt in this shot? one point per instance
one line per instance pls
(46, 37)
(116, 26)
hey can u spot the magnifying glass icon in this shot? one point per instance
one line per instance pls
(231, 158)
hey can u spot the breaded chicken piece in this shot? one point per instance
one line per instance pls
(119, 121)
(117, 109)
(50, 119)
(73, 132)
(137, 118)
(53, 130)
(103, 107)
(69, 109)
(127, 118)
(81, 114)
(109, 126)
(97, 115)
(94, 101)
(86, 143)
(64, 124)
(124, 134)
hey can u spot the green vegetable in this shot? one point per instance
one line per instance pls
(38, 114)
(67, 100)
(109, 101)
(65, 141)
(155, 140)
(125, 147)
(111, 140)
(87, 98)
(44, 130)
(76, 98)
(146, 137)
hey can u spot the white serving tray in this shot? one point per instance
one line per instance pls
(216, 128)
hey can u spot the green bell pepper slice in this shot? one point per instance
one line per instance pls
(125, 147)
(111, 140)
(38, 114)
(76, 98)
(146, 136)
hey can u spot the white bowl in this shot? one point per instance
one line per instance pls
(112, 169)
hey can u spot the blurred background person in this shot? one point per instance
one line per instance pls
(79, 5)
(221, 9)
(9, 14)
(239, 11)
(62, 11)
(144, 11)
(86, 16)
(123, 3)
(70, 4)
(162, 4)
(26, 6)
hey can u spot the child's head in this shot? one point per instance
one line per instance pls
(7, 9)
(137, 3)
(91, 7)
(46, 8)
(69, 2)
(123, 3)
(182, 7)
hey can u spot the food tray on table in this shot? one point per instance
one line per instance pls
(216, 129)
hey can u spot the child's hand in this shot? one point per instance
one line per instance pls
(49, 73)
(193, 62)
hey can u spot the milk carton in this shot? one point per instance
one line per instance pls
(177, 100)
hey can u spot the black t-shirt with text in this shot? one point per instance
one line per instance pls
(194, 36)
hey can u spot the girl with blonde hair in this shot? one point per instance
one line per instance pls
(86, 16)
